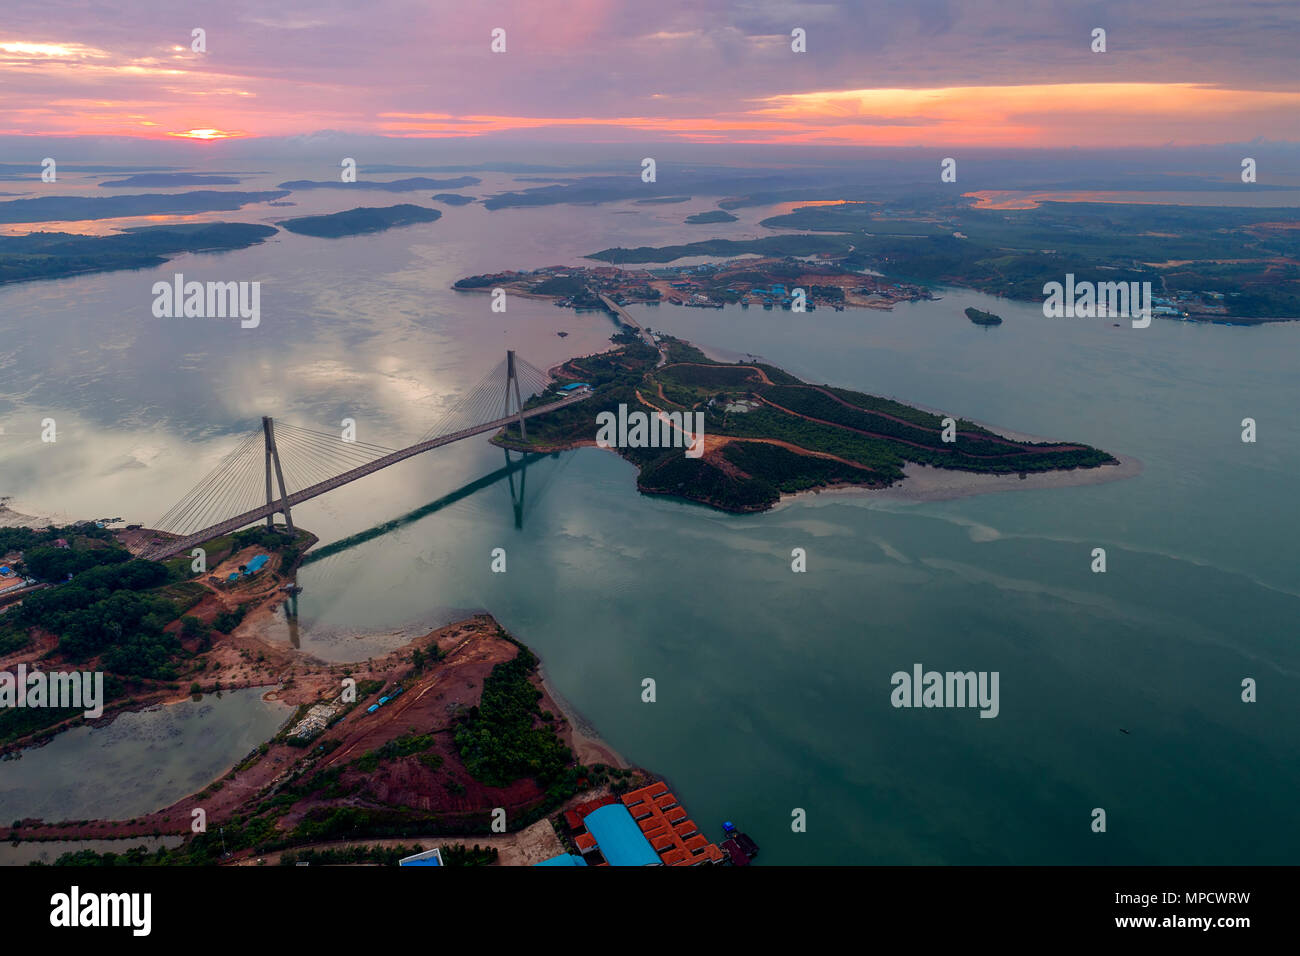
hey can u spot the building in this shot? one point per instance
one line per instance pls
(645, 827)
(427, 858)
(620, 841)
(563, 859)
(668, 829)
(257, 564)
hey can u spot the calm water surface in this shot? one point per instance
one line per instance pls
(772, 687)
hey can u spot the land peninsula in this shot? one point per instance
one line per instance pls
(421, 743)
(768, 434)
(53, 255)
(767, 282)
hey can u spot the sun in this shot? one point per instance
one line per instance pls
(206, 134)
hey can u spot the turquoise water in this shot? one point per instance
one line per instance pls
(772, 687)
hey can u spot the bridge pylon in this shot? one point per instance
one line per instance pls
(513, 380)
(273, 456)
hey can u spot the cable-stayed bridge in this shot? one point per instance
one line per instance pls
(305, 463)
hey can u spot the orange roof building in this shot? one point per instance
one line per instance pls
(669, 829)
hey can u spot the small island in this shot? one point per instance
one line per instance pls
(364, 219)
(454, 199)
(713, 215)
(409, 185)
(983, 318)
(170, 180)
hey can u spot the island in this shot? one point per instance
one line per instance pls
(72, 208)
(983, 318)
(359, 221)
(768, 434)
(52, 255)
(713, 215)
(410, 185)
(454, 199)
(165, 180)
(768, 282)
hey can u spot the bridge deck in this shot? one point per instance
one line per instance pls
(169, 548)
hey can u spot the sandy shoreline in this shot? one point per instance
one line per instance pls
(13, 519)
(927, 483)
(586, 742)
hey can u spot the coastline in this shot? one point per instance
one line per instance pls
(927, 483)
(583, 737)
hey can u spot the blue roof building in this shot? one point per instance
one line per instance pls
(564, 859)
(620, 840)
(257, 563)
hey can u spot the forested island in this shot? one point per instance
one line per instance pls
(70, 208)
(410, 185)
(52, 255)
(364, 219)
(713, 215)
(170, 180)
(767, 433)
(983, 318)
(454, 199)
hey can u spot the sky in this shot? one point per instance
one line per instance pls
(931, 73)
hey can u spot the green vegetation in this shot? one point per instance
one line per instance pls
(792, 429)
(411, 184)
(767, 246)
(394, 749)
(364, 219)
(1220, 262)
(983, 318)
(49, 255)
(113, 614)
(350, 855)
(564, 286)
(713, 215)
(498, 740)
(75, 208)
(457, 855)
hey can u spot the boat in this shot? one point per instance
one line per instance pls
(738, 846)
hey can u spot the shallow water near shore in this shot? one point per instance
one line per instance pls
(140, 762)
(772, 688)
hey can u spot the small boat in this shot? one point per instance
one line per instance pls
(738, 846)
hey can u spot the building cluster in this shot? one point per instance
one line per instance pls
(645, 827)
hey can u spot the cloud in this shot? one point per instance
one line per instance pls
(897, 71)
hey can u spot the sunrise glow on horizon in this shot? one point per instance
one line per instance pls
(681, 73)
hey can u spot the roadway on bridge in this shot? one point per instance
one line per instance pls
(178, 545)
